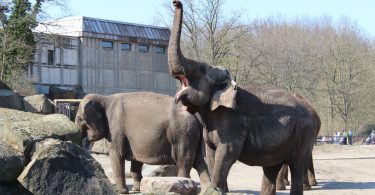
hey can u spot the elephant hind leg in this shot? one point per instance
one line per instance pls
(136, 172)
(280, 180)
(311, 173)
(269, 179)
(297, 171)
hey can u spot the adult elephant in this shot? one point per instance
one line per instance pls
(143, 128)
(255, 125)
(309, 176)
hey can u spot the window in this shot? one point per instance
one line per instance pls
(50, 57)
(159, 49)
(143, 48)
(126, 46)
(66, 43)
(107, 44)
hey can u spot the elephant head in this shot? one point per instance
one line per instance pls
(202, 84)
(91, 118)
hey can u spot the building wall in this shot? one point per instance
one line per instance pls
(63, 70)
(84, 62)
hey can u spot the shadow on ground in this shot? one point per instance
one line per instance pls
(255, 192)
(347, 185)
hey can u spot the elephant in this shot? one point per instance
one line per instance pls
(309, 177)
(144, 127)
(256, 125)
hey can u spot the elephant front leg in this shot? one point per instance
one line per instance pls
(225, 157)
(269, 179)
(118, 167)
(136, 172)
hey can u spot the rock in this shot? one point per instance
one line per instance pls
(10, 99)
(59, 167)
(38, 104)
(178, 185)
(100, 147)
(23, 129)
(11, 163)
(162, 171)
(213, 191)
(13, 188)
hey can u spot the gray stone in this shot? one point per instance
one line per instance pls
(10, 99)
(213, 191)
(13, 188)
(11, 162)
(38, 104)
(23, 129)
(59, 167)
(100, 147)
(180, 185)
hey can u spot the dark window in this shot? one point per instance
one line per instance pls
(126, 46)
(66, 42)
(107, 44)
(159, 49)
(143, 48)
(50, 57)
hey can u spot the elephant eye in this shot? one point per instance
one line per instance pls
(221, 85)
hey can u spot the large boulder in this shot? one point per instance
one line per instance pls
(11, 163)
(59, 167)
(13, 188)
(10, 99)
(38, 104)
(180, 185)
(23, 129)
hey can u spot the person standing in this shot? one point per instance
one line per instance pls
(350, 137)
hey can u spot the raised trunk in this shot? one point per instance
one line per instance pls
(174, 51)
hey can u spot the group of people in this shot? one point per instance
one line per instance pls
(370, 139)
(344, 137)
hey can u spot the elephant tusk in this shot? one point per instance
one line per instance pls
(180, 94)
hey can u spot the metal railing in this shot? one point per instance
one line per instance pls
(67, 107)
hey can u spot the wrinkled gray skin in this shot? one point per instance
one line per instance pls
(308, 181)
(255, 125)
(309, 176)
(143, 128)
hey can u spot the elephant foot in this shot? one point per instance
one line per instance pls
(286, 182)
(124, 191)
(280, 187)
(313, 182)
(306, 187)
(136, 186)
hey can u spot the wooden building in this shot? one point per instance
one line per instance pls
(101, 56)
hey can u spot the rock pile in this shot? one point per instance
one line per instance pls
(39, 155)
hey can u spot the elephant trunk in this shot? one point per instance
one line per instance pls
(174, 51)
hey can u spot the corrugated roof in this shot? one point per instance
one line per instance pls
(92, 27)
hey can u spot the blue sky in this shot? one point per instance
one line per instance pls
(146, 11)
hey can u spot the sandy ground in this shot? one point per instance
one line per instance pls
(339, 170)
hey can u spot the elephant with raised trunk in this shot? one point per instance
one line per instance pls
(144, 128)
(256, 125)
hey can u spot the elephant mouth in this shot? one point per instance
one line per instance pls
(181, 95)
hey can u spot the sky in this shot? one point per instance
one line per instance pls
(146, 12)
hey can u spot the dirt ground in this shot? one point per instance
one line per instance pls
(339, 170)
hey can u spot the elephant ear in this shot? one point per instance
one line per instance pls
(225, 97)
(92, 109)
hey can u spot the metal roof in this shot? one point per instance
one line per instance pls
(107, 29)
